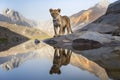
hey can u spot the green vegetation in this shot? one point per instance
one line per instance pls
(3, 40)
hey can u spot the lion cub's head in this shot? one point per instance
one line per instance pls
(55, 13)
(55, 69)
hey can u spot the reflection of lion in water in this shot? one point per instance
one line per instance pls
(61, 22)
(61, 57)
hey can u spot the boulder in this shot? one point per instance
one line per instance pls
(85, 44)
(50, 41)
(116, 32)
(37, 41)
(102, 38)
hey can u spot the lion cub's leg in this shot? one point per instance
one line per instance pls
(55, 31)
(61, 32)
(69, 30)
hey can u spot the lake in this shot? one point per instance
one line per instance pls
(30, 61)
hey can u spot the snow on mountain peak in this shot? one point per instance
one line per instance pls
(103, 3)
(15, 17)
(8, 11)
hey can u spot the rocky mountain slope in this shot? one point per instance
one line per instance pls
(85, 17)
(108, 23)
(30, 33)
(15, 17)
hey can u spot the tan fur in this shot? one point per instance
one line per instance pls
(61, 22)
(61, 57)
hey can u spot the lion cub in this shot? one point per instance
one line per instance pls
(61, 22)
(61, 58)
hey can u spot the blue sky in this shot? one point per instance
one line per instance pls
(39, 9)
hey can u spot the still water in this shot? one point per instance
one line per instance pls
(28, 61)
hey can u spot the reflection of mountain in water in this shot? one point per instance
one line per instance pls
(9, 38)
(15, 61)
(106, 57)
(15, 56)
(12, 58)
(86, 64)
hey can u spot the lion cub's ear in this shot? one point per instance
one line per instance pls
(50, 9)
(59, 10)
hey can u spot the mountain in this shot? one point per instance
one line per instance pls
(108, 23)
(15, 17)
(85, 17)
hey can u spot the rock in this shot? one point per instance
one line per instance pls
(116, 32)
(85, 44)
(102, 38)
(88, 36)
(109, 19)
(101, 28)
(114, 8)
(37, 41)
(50, 41)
